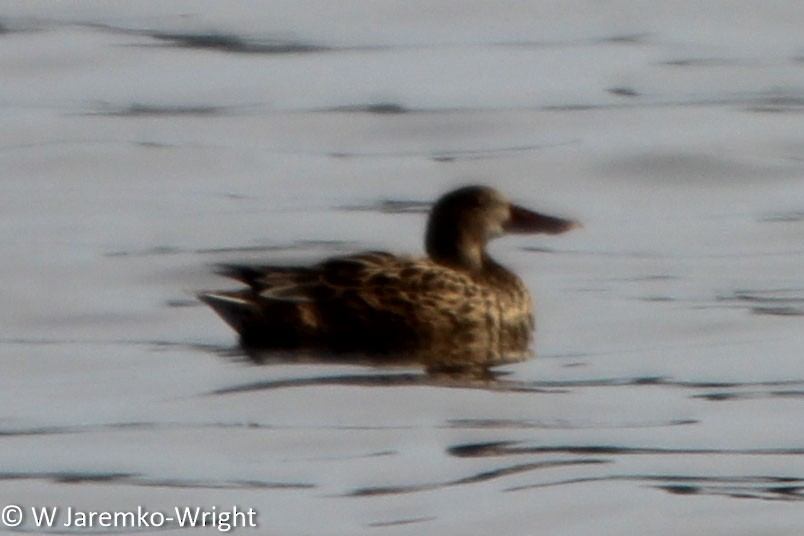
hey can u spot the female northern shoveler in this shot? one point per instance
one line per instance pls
(455, 308)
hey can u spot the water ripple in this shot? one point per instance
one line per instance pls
(133, 479)
(774, 302)
(761, 487)
(473, 479)
(508, 448)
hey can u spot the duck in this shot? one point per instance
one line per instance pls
(454, 308)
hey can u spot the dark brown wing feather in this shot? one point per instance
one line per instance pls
(260, 277)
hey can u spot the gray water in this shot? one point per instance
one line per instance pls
(141, 143)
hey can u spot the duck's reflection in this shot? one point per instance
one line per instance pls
(385, 371)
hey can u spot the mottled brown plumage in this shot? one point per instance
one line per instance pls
(455, 308)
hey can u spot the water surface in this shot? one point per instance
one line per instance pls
(141, 146)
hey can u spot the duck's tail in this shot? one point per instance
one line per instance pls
(265, 321)
(235, 309)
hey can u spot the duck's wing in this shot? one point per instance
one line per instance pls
(276, 295)
(356, 271)
(260, 277)
(371, 302)
(396, 305)
(304, 283)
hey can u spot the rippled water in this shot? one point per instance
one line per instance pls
(141, 145)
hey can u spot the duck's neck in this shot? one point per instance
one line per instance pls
(456, 249)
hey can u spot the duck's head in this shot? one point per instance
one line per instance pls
(463, 221)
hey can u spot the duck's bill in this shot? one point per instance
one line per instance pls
(523, 220)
